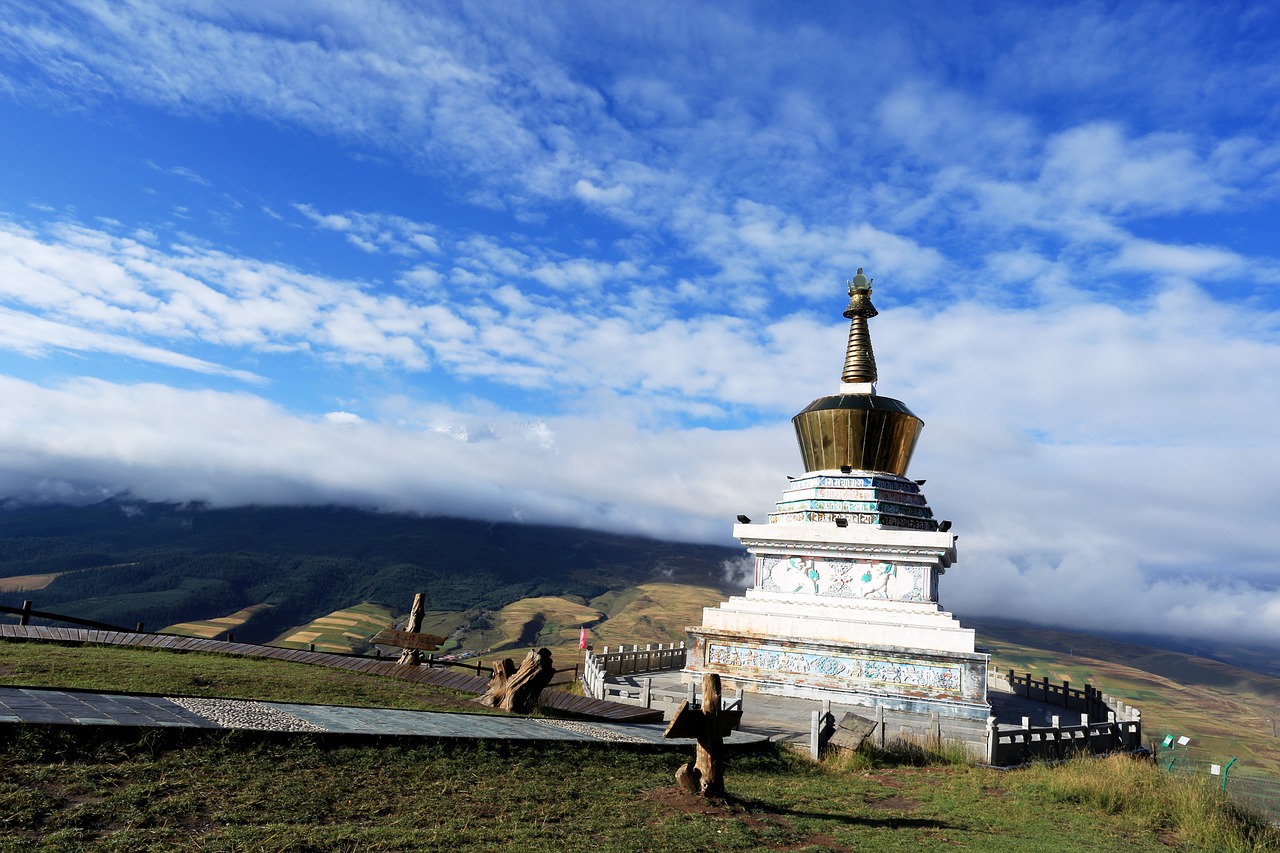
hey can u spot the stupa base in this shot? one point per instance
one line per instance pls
(950, 684)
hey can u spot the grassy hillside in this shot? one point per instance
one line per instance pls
(26, 583)
(239, 792)
(160, 564)
(1227, 711)
(343, 631)
(220, 626)
(652, 613)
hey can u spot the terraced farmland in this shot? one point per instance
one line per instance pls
(346, 630)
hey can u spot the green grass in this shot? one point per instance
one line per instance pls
(156, 671)
(106, 789)
(216, 791)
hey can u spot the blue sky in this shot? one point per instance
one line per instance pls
(580, 263)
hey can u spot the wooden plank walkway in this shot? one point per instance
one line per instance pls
(433, 676)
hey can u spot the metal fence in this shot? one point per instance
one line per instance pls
(1244, 784)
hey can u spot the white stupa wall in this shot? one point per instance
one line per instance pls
(847, 611)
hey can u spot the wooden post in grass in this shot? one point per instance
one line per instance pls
(413, 657)
(709, 724)
(412, 641)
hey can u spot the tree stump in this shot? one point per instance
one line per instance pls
(709, 724)
(517, 690)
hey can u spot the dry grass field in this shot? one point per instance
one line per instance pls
(346, 630)
(212, 629)
(27, 583)
(652, 613)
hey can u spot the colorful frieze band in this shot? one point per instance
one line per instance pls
(913, 678)
(854, 495)
(838, 481)
(855, 506)
(895, 521)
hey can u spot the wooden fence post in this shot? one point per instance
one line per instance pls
(25, 616)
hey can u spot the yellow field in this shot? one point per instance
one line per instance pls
(651, 613)
(548, 621)
(341, 631)
(26, 583)
(212, 629)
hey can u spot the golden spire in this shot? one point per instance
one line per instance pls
(856, 429)
(859, 359)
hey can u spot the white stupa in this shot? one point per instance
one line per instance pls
(845, 601)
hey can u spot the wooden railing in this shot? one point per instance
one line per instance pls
(25, 612)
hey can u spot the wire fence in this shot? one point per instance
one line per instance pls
(1246, 785)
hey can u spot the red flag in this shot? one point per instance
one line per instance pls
(582, 639)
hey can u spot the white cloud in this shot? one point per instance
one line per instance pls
(589, 192)
(117, 286)
(376, 232)
(630, 227)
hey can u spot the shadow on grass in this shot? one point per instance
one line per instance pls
(887, 822)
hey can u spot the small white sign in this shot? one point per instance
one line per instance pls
(1184, 740)
(1215, 769)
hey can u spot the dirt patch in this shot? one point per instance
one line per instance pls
(679, 801)
(895, 804)
(887, 781)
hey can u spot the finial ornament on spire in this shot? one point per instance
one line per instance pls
(859, 359)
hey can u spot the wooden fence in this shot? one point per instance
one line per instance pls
(25, 612)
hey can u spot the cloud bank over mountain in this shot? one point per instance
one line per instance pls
(577, 266)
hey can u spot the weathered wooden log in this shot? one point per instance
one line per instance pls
(517, 690)
(709, 724)
(411, 656)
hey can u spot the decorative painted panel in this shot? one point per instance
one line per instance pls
(883, 674)
(843, 578)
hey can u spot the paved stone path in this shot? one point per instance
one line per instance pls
(92, 708)
(449, 679)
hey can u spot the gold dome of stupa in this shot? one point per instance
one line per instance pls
(857, 429)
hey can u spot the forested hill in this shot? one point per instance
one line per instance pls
(160, 563)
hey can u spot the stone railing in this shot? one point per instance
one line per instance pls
(600, 668)
(1012, 746)
(1106, 724)
(1089, 699)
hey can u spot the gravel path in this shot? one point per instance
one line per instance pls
(243, 714)
(594, 731)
